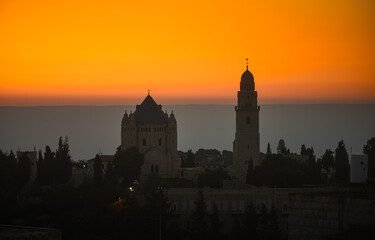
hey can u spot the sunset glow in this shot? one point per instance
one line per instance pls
(112, 52)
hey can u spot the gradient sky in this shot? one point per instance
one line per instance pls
(111, 52)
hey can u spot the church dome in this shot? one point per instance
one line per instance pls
(247, 81)
(150, 113)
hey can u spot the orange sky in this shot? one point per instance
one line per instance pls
(110, 52)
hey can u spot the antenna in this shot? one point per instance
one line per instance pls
(247, 63)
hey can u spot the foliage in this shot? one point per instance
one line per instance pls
(250, 173)
(250, 223)
(23, 172)
(341, 164)
(282, 171)
(126, 166)
(369, 149)
(328, 161)
(198, 227)
(213, 179)
(215, 225)
(8, 168)
(188, 159)
(98, 170)
(63, 162)
(269, 149)
(79, 164)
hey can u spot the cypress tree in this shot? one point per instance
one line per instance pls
(98, 170)
(215, 224)
(341, 163)
(198, 228)
(369, 149)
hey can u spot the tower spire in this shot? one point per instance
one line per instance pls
(247, 63)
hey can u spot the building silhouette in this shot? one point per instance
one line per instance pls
(154, 133)
(246, 142)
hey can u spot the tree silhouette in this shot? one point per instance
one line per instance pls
(369, 149)
(98, 170)
(23, 170)
(268, 149)
(250, 173)
(198, 228)
(328, 161)
(250, 223)
(127, 166)
(213, 179)
(215, 226)
(49, 165)
(63, 162)
(341, 164)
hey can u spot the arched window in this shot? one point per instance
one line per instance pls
(144, 142)
(160, 141)
(156, 168)
(152, 168)
(248, 120)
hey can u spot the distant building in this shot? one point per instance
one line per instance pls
(246, 142)
(154, 133)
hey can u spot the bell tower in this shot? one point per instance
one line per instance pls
(246, 142)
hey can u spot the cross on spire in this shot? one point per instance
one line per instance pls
(148, 91)
(247, 63)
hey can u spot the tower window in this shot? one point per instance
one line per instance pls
(152, 168)
(156, 168)
(144, 142)
(160, 141)
(248, 120)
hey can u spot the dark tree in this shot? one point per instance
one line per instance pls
(328, 161)
(269, 149)
(41, 171)
(369, 149)
(49, 165)
(23, 170)
(8, 189)
(63, 162)
(79, 164)
(189, 161)
(213, 179)
(98, 170)
(250, 223)
(274, 230)
(198, 228)
(263, 220)
(215, 227)
(127, 166)
(341, 164)
(250, 173)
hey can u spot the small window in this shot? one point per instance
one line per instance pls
(152, 168)
(156, 168)
(248, 120)
(182, 173)
(160, 141)
(144, 142)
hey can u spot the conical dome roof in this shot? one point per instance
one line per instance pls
(150, 113)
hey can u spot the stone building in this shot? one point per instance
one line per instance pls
(246, 143)
(154, 133)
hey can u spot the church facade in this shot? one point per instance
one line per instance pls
(154, 133)
(246, 143)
